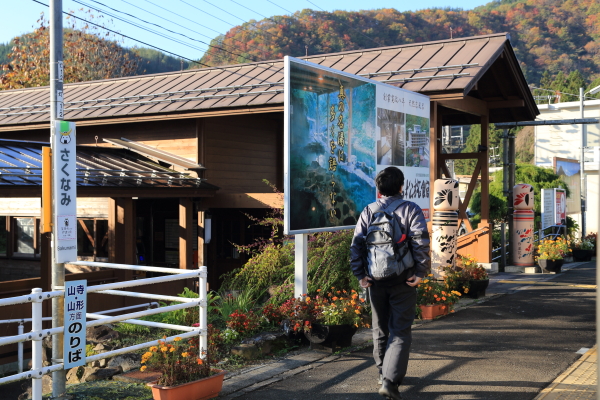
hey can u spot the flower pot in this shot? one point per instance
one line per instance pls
(583, 255)
(330, 337)
(551, 266)
(476, 288)
(432, 311)
(205, 388)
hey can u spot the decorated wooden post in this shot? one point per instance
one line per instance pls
(523, 225)
(444, 226)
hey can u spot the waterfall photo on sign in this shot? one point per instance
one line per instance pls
(340, 130)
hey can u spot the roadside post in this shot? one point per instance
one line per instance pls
(56, 115)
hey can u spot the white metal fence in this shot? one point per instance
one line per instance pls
(37, 334)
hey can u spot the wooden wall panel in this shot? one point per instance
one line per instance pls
(91, 207)
(240, 152)
(177, 137)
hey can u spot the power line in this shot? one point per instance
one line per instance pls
(151, 23)
(155, 47)
(204, 26)
(142, 27)
(126, 36)
(241, 19)
(280, 7)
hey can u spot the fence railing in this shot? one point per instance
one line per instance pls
(37, 334)
(22, 321)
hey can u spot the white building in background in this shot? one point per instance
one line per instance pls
(559, 143)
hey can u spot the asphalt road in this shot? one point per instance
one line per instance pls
(510, 347)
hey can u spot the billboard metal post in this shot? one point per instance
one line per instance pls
(301, 270)
(56, 114)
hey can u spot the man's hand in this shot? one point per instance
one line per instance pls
(413, 281)
(365, 282)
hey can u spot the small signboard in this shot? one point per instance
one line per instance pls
(74, 313)
(554, 207)
(64, 182)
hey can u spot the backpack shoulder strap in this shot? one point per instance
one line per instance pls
(374, 207)
(394, 205)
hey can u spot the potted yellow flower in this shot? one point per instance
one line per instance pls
(184, 375)
(468, 277)
(551, 254)
(435, 298)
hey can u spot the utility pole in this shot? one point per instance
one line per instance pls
(582, 156)
(582, 163)
(56, 114)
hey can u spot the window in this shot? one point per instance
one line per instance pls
(26, 238)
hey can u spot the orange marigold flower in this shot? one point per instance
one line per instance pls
(335, 298)
(177, 339)
(357, 311)
(143, 368)
(362, 300)
(185, 354)
(200, 362)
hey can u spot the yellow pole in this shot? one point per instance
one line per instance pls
(46, 190)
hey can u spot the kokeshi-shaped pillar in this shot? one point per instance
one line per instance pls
(445, 195)
(523, 238)
(444, 226)
(523, 197)
(523, 217)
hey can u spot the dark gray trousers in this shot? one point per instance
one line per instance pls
(393, 309)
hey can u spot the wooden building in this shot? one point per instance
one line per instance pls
(225, 126)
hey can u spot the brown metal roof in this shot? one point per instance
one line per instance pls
(482, 67)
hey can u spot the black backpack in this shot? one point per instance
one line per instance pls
(388, 254)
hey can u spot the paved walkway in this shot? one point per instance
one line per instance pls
(501, 347)
(579, 382)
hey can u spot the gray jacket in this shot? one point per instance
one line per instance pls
(411, 219)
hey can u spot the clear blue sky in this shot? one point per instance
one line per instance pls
(191, 17)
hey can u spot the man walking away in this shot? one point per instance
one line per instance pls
(392, 289)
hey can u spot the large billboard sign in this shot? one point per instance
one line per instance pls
(340, 131)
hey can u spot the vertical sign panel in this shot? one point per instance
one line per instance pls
(74, 334)
(340, 131)
(64, 181)
(547, 208)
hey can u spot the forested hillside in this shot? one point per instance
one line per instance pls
(548, 35)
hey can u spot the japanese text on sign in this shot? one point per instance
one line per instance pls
(336, 146)
(74, 334)
(64, 181)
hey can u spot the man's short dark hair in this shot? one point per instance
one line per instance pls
(389, 181)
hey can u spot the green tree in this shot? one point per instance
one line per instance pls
(89, 54)
(466, 167)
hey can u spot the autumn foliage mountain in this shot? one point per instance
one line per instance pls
(548, 35)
